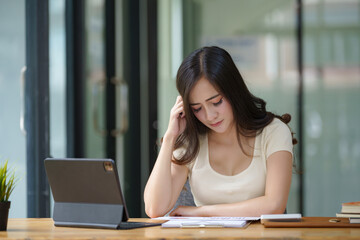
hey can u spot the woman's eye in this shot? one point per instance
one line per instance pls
(196, 109)
(219, 102)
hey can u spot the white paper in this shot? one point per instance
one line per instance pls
(209, 218)
(200, 222)
(281, 216)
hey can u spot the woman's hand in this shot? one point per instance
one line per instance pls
(177, 122)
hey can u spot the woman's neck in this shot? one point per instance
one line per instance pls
(228, 138)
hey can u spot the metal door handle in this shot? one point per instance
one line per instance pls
(22, 97)
(123, 106)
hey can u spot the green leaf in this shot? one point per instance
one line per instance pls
(7, 181)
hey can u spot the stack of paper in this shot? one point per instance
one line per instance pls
(202, 222)
(292, 217)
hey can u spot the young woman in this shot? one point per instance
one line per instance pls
(236, 155)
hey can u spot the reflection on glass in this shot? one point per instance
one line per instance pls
(95, 79)
(57, 81)
(332, 83)
(57, 78)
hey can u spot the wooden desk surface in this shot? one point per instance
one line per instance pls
(44, 228)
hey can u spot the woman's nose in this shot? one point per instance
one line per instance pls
(211, 115)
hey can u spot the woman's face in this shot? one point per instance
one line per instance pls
(210, 107)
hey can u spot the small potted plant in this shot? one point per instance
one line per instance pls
(7, 184)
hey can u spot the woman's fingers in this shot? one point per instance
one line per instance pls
(177, 121)
(178, 109)
(179, 112)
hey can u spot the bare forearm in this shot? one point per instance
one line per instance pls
(157, 194)
(249, 208)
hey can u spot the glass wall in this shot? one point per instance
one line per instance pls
(12, 86)
(12, 133)
(57, 78)
(332, 93)
(95, 79)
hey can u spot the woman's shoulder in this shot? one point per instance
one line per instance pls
(276, 136)
(276, 129)
(276, 123)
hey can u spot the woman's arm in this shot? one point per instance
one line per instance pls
(278, 182)
(164, 184)
(166, 179)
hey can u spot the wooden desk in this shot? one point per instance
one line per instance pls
(44, 228)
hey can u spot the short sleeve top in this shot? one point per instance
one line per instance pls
(210, 187)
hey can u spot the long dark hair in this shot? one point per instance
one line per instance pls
(216, 65)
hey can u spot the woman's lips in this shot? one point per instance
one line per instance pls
(216, 124)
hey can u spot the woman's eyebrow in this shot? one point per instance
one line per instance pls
(210, 98)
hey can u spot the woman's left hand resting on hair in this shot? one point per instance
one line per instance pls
(278, 180)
